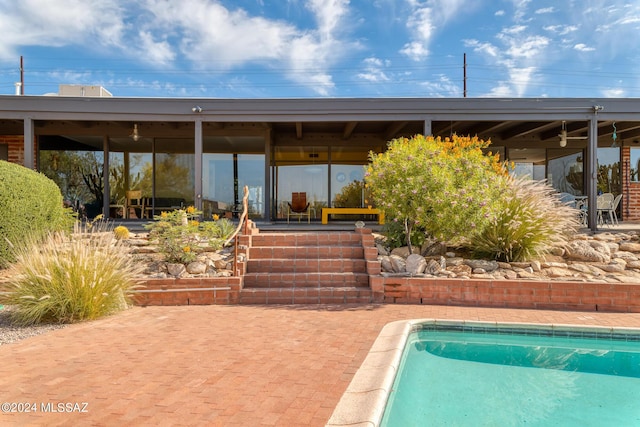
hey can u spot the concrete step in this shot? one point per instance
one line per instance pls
(333, 295)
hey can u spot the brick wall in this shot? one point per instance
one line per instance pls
(16, 147)
(545, 295)
(189, 291)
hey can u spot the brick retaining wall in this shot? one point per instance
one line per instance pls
(547, 295)
(182, 291)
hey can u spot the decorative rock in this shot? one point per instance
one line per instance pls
(220, 264)
(504, 265)
(633, 264)
(196, 267)
(176, 270)
(581, 250)
(613, 267)
(556, 272)
(432, 249)
(602, 247)
(627, 256)
(479, 270)
(382, 250)
(415, 264)
(433, 267)
(526, 275)
(553, 264)
(536, 265)
(403, 251)
(385, 263)
(630, 247)
(454, 261)
(510, 274)
(481, 263)
(460, 269)
(398, 264)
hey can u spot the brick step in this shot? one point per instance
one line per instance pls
(306, 265)
(331, 295)
(306, 280)
(306, 239)
(305, 252)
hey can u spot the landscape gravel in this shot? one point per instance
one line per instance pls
(10, 333)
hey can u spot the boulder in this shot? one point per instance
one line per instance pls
(487, 266)
(630, 247)
(176, 269)
(415, 264)
(196, 267)
(460, 269)
(581, 250)
(398, 264)
(404, 251)
(434, 267)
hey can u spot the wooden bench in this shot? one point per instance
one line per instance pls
(352, 211)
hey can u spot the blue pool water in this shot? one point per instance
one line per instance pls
(456, 376)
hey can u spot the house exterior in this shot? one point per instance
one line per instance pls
(202, 152)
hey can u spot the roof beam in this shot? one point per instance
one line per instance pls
(392, 130)
(298, 130)
(348, 129)
(525, 129)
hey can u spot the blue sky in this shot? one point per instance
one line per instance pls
(323, 48)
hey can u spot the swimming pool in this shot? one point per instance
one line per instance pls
(473, 373)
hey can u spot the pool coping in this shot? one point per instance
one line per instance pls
(363, 403)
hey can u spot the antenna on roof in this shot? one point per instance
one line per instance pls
(21, 75)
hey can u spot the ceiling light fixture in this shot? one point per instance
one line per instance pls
(135, 135)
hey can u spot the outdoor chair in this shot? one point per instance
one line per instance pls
(604, 204)
(134, 204)
(299, 207)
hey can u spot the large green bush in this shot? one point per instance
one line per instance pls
(30, 205)
(67, 278)
(445, 186)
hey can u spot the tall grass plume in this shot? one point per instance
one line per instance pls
(65, 279)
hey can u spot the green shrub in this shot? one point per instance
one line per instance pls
(30, 206)
(396, 235)
(528, 220)
(65, 279)
(181, 236)
(446, 187)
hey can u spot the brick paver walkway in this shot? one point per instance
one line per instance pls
(215, 365)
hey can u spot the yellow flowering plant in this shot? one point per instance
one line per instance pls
(181, 236)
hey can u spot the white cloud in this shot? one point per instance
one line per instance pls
(374, 70)
(424, 20)
(613, 93)
(545, 10)
(583, 48)
(50, 23)
(500, 13)
(442, 87)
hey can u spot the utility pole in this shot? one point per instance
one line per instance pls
(21, 75)
(464, 75)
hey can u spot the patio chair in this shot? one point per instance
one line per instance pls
(299, 207)
(604, 204)
(614, 209)
(134, 203)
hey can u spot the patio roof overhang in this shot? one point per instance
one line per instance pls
(509, 123)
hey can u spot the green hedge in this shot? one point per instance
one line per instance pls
(30, 206)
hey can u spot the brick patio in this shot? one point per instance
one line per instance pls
(218, 365)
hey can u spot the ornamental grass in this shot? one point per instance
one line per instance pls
(66, 279)
(529, 220)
